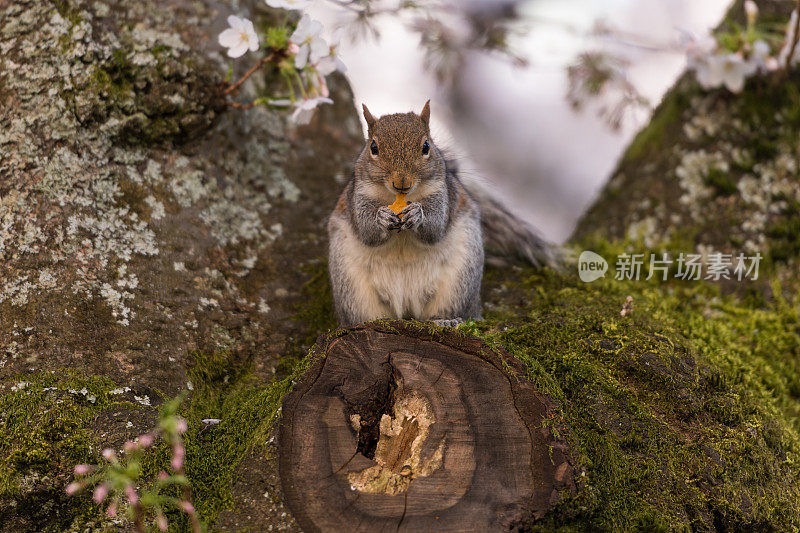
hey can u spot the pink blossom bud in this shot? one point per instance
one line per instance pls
(179, 453)
(100, 493)
(162, 475)
(182, 427)
(130, 446)
(293, 48)
(187, 507)
(72, 488)
(772, 64)
(133, 498)
(108, 454)
(161, 522)
(112, 509)
(146, 440)
(751, 8)
(82, 469)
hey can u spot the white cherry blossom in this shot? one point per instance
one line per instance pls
(730, 70)
(289, 4)
(761, 57)
(698, 51)
(240, 37)
(311, 46)
(304, 109)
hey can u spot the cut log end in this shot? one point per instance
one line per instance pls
(400, 428)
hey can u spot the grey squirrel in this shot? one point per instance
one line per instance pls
(427, 261)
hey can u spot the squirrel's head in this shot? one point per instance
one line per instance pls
(399, 152)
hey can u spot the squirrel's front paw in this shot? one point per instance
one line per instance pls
(412, 216)
(387, 219)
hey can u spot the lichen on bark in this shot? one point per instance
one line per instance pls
(142, 223)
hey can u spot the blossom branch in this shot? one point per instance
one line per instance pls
(795, 37)
(237, 105)
(273, 57)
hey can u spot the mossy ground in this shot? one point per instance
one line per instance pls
(684, 414)
(42, 448)
(45, 429)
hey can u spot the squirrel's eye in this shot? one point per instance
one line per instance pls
(426, 148)
(373, 148)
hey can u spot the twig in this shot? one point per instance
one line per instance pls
(237, 105)
(795, 37)
(365, 10)
(138, 518)
(187, 497)
(264, 60)
(347, 5)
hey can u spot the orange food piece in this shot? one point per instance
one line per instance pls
(399, 203)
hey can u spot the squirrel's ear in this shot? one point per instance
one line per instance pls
(369, 118)
(425, 115)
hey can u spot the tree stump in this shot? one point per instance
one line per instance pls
(399, 428)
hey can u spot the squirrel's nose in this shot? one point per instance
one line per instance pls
(401, 189)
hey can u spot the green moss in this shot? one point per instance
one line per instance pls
(113, 82)
(665, 118)
(723, 182)
(152, 104)
(68, 11)
(784, 233)
(114, 75)
(45, 429)
(317, 308)
(44, 423)
(224, 388)
(683, 415)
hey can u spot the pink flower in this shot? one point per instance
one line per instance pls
(100, 493)
(108, 454)
(133, 498)
(178, 454)
(751, 9)
(145, 440)
(182, 427)
(72, 488)
(162, 475)
(82, 469)
(130, 446)
(161, 522)
(187, 507)
(112, 509)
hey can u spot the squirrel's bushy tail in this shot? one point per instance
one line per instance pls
(506, 236)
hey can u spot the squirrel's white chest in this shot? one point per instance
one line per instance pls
(410, 278)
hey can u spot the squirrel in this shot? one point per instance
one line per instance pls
(426, 262)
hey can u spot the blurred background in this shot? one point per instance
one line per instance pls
(546, 159)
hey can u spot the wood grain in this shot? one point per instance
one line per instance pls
(401, 429)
